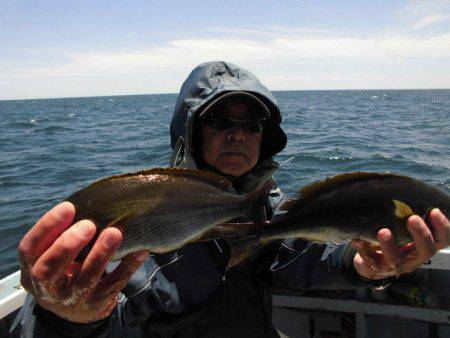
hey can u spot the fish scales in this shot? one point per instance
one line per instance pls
(164, 208)
(358, 207)
(342, 208)
(161, 236)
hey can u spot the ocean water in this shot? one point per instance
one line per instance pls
(50, 148)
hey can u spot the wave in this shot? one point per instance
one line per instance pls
(27, 124)
(15, 184)
(53, 129)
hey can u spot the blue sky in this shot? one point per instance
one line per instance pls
(88, 48)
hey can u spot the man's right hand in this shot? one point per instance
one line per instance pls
(78, 292)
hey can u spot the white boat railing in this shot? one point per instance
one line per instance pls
(12, 294)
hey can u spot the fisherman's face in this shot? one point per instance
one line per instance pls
(233, 151)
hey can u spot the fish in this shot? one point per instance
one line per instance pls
(341, 208)
(162, 209)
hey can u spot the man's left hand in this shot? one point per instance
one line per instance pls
(392, 260)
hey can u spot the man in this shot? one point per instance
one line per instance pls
(225, 121)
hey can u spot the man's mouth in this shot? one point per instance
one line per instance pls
(233, 153)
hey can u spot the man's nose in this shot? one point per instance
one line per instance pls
(236, 133)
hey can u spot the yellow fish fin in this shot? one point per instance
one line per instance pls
(402, 210)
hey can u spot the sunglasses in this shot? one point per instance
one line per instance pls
(251, 126)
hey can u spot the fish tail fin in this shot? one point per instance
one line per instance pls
(242, 240)
(256, 202)
(242, 248)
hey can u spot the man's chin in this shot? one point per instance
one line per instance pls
(233, 169)
(233, 164)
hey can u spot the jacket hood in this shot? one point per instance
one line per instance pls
(204, 84)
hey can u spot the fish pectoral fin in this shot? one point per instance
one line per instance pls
(402, 210)
(117, 222)
(228, 231)
(260, 226)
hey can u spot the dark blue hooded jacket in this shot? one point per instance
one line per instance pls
(187, 293)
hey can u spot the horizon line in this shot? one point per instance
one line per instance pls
(176, 93)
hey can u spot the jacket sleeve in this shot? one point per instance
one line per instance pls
(164, 284)
(318, 266)
(33, 321)
(308, 265)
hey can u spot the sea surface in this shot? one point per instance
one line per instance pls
(50, 148)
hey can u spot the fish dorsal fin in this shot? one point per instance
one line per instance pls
(199, 175)
(316, 189)
(402, 210)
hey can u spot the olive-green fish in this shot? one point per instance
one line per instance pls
(162, 209)
(341, 208)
